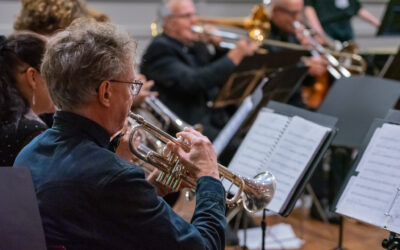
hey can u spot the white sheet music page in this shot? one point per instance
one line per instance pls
(258, 143)
(373, 197)
(292, 156)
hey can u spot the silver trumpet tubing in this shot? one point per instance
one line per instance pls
(160, 108)
(255, 194)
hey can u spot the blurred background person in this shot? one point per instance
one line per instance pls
(23, 92)
(49, 16)
(284, 13)
(333, 17)
(186, 74)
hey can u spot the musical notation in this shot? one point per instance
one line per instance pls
(282, 145)
(373, 195)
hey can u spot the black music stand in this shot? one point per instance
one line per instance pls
(391, 20)
(249, 73)
(321, 119)
(392, 117)
(20, 223)
(391, 68)
(356, 101)
(280, 86)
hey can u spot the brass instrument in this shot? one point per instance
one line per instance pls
(255, 193)
(341, 63)
(163, 111)
(258, 24)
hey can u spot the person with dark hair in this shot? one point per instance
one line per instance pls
(23, 93)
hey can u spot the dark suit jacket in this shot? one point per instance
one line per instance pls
(89, 198)
(186, 77)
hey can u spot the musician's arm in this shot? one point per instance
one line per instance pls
(166, 68)
(136, 206)
(368, 17)
(312, 19)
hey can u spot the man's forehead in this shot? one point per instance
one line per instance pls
(291, 4)
(182, 6)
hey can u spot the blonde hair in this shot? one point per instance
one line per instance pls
(48, 16)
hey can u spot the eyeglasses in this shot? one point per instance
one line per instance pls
(135, 86)
(290, 12)
(185, 16)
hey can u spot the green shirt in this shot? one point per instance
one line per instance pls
(335, 16)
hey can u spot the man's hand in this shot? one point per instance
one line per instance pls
(243, 48)
(207, 37)
(317, 66)
(201, 159)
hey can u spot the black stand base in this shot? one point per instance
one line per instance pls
(340, 242)
(392, 243)
(263, 229)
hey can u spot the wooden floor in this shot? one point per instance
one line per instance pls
(320, 236)
(316, 235)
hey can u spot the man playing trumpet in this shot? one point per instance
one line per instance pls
(90, 198)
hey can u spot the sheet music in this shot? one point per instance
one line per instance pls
(393, 221)
(232, 126)
(291, 158)
(375, 188)
(258, 143)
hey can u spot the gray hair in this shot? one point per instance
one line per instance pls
(165, 9)
(79, 58)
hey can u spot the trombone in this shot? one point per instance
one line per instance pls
(341, 64)
(255, 194)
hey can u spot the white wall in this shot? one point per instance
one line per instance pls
(137, 15)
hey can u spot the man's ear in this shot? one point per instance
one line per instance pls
(104, 93)
(31, 77)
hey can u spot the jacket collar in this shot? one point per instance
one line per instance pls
(75, 124)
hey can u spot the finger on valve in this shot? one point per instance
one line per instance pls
(201, 157)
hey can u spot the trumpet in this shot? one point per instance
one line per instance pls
(163, 111)
(255, 194)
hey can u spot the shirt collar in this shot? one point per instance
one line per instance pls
(178, 43)
(74, 123)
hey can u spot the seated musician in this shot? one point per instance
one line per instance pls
(186, 75)
(89, 198)
(283, 15)
(23, 94)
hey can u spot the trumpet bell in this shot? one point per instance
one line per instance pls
(265, 184)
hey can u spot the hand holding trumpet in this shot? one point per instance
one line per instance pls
(201, 157)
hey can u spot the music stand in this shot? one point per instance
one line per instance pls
(20, 223)
(280, 87)
(391, 68)
(391, 118)
(249, 73)
(391, 20)
(356, 101)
